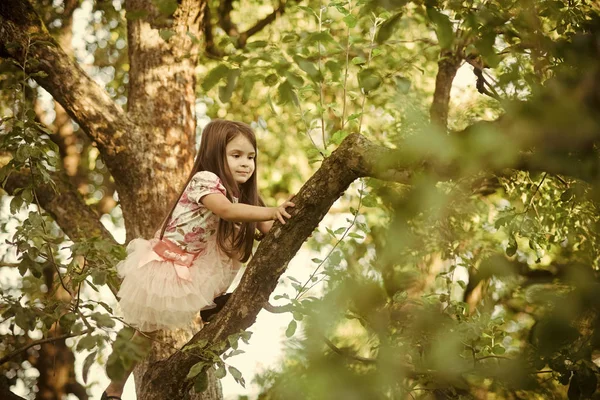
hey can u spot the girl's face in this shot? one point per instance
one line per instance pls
(240, 158)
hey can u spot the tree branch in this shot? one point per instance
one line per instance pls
(347, 354)
(65, 205)
(84, 100)
(39, 342)
(356, 157)
(260, 25)
(225, 7)
(447, 67)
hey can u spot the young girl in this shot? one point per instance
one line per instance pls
(209, 231)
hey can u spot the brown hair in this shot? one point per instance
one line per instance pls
(236, 243)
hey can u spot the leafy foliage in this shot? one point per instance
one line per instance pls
(480, 287)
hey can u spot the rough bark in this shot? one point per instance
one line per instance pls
(447, 67)
(146, 177)
(353, 159)
(65, 205)
(87, 103)
(162, 102)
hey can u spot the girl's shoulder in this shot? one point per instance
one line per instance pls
(203, 183)
(206, 179)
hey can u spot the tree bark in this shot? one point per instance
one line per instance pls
(162, 102)
(447, 67)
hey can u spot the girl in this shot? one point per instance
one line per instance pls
(208, 233)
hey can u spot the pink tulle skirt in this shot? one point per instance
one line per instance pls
(158, 294)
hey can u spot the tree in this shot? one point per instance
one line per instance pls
(546, 70)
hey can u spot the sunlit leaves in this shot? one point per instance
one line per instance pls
(387, 28)
(369, 79)
(214, 76)
(443, 27)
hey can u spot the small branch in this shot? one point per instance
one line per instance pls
(40, 342)
(209, 39)
(347, 354)
(497, 357)
(277, 309)
(225, 8)
(260, 25)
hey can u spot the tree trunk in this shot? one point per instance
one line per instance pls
(447, 67)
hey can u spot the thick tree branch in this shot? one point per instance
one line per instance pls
(76, 219)
(24, 39)
(356, 157)
(447, 67)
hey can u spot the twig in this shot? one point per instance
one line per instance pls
(277, 309)
(347, 354)
(300, 292)
(42, 341)
(50, 253)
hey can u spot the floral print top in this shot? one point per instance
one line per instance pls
(192, 226)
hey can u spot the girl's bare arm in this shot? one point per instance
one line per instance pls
(238, 212)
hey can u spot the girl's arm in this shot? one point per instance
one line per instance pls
(239, 212)
(264, 226)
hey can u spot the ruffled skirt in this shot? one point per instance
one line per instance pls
(155, 294)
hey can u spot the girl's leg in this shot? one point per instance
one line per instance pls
(115, 388)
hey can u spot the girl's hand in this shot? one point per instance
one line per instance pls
(280, 212)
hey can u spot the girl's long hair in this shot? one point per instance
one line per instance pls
(236, 243)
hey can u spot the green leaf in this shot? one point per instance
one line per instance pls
(201, 382)
(220, 372)
(402, 84)
(233, 341)
(387, 28)
(486, 48)
(87, 364)
(369, 80)
(257, 44)
(359, 60)
(350, 20)
(498, 350)
(166, 34)
(166, 7)
(271, 80)
(114, 367)
(308, 67)
(103, 320)
(195, 370)
(443, 27)
(226, 91)
(67, 321)
(291, 329)
(512, 247)
(88, 342)
(567, 195)
(295, 79)
(235, 372)
(214, 76)
(287, 94)
(248, 85)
